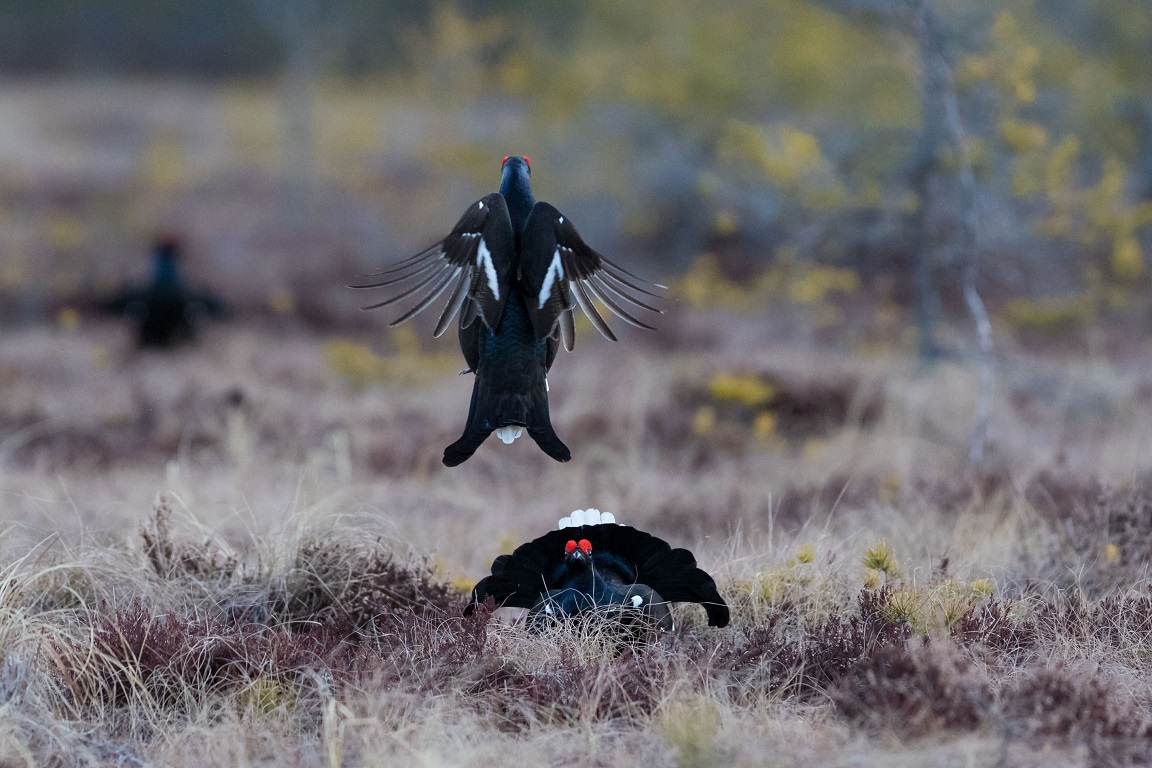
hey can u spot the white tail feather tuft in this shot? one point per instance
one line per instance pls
(581, 517)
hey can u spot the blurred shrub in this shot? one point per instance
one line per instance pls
(360, 366)
(706, 286)
(915, 691)
(361, 585)
(746, 390)
(1101, 534)
(356, 363)
(770, 405)
(1052, 316)
(172, 558)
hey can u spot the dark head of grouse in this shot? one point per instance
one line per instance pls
(590, 563)
(166, 311)
(514, 271)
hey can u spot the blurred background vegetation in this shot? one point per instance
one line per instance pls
(761, 154)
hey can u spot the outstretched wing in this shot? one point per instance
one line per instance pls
(559, 272)
(519, 579)
(675, 576)
(475, 261)
(671, 572)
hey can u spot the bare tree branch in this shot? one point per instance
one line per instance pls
(938, 77)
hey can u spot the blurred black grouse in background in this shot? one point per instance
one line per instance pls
(520, 268)
(591, 562)
(166, 312)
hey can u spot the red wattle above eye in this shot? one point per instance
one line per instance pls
(527, 161)
(586, 546)
(570, 547)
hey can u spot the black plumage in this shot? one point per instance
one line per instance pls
(577, 569)
(514, 270)
(166, 312)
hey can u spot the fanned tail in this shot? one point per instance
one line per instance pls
(475, 433)
(490, 411)
(540, 428)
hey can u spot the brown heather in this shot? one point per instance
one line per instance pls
(286, 586)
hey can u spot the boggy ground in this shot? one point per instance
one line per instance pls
(248, 553)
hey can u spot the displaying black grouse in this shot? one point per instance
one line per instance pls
(520, 268)
(166, 311)
(591, 562)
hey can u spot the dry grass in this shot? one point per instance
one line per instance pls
(249, 553)
(295, 597)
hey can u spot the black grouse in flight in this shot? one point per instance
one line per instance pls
(514, 270)
(591, 562)
(166, 312)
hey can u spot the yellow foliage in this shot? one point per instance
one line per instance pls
(1061, 165)
(814, 282)
(1021, 135)
(747, 390)
(163, 165)
(870, 194)
(764, 426)
(949, 601)
(973, 69)
(813, 448)
(1140, 215)
(1052, 316)
(704, 421)
(516, 73)
(1011, 63)
(905, 604)
(725, 223)
(786, 156)
(704, 286)
(1127, 257)
(699, 61)
(355, 362)
(983, 586)
(1100, 215)
(1058, 186)
(266, 694)
(68, 319)
(799, 153)
(405, 340)
(879, 558)
(1111, 554)
(361, 366)
(806, 554)
(282, 301)
(462, 584)
(65, 231)
(1028, 175)
(692, 728)
(778, 586)
(454, 50)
